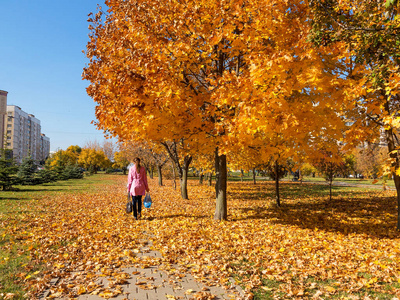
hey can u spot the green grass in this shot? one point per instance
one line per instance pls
(269, 290)
(11, 265)
(248, 176)
(352, 181)
(87, 184)
(15, 205)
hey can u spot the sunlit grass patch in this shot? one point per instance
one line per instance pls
(15, 267)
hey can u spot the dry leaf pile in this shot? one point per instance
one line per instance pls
(348, 244)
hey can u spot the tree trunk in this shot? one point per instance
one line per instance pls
(183, 176)
(278, 198)
(221, 210)
(241, 174)
(396, 179)
(174, 175)
(393, 153)
(210, 179)
(159, 167)
(201, 177)
(183, 180)
(151, 172)
(331, 173)
(182, 169)
(254, 175)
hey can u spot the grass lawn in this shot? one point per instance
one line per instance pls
(353, 181)
(347, 248)
(235, 176)
(16, 207)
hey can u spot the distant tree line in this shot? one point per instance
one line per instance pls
(29, 173)
(71, 163)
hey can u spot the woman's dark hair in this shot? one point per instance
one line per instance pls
(137, 160)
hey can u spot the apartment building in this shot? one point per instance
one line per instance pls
(23, 135)
(3, 113)
(44, 147)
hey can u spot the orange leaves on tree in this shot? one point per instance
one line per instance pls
(213, 63)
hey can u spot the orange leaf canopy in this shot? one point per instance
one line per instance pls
(230, 74)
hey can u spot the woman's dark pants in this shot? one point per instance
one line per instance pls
(137, 205)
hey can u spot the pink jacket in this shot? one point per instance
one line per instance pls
(137, 181)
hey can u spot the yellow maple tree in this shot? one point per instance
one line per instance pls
(121, 161)
(220, 76)
(92, 159)
(367, 32)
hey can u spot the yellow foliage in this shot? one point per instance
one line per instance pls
(93, 158)
(215, 74)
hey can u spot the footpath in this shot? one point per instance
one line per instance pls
(342, 183)
(151, 283)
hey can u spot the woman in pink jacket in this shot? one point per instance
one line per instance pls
(137, 186)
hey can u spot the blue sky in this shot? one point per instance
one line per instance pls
(41, 63)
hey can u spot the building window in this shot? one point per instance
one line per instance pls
(9, 125)
(8, 131)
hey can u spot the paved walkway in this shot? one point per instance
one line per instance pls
(151, 283)
(378, 186)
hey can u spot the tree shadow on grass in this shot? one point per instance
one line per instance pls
(12, 198)
(44, 190)
(347, 213)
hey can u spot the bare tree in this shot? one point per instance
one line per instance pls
(109, 148)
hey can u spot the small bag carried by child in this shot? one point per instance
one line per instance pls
(147, 201)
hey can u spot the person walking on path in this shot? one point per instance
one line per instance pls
(137, 186)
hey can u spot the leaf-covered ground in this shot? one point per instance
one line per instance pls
(310, 247)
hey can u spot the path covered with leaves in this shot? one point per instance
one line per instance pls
(311, 247)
